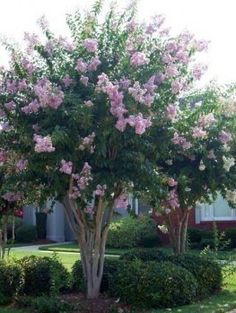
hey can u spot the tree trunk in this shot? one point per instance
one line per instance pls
(92, 237)
(177, 225)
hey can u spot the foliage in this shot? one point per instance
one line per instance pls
(129, 232)
(43, 275)
(207, 273)
(148, 254)
(44, 304)
(111, 265)
(26, 233)
(10, 281)
(153, 284)
(230, 234)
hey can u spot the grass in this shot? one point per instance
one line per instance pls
(74, 248)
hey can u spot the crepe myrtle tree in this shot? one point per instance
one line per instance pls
(197, 162)
(78, 111)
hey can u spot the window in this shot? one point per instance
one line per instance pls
(217, 211)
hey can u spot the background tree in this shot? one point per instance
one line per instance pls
(78, 111)
(197, 162)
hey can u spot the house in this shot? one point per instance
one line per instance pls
(202, 217)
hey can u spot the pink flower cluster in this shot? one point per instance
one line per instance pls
(67, 81)
(172, 182)
(48, 95)
(121, 201)
(13, 86)
(10, 106)
(118, 108)
(82, 181)
(139, 59)
(206, 120)
(173, 199)
(100, 190)
(198, 70)
(43, 144)
(198, 132)
(83, 66)
(28, 66)
(91, 45)
(144, 95)
(84, 80)
(181, 141)
(225, 137)
(66, 167)
(87, 143)
(21, 165)
(171, 112)
(12, 196)
(32, 107)
(3, 156)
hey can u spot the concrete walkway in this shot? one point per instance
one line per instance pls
(36, 247)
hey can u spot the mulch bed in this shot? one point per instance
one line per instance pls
(101, 305)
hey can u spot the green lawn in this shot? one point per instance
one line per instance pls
(73, 247)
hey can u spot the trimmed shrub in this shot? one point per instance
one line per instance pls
(148, 254)
(194, 235)
(129, 232)
(26, 233)
(206, 272)
(230, 234)
(43, 275)
(10, 280)
(153, 284)
(111, 265)
(50, 305)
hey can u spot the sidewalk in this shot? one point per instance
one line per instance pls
(36, 247)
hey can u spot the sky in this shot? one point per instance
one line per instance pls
(213, 20)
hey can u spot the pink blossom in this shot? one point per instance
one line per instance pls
(84, 80)
(171, 71)
(198, 71)
(121, 202)
(159, 78)
(66, 167)
(49, 95)
(91, 45)
(100, 190)
(172, 182)
(28, 66)
(167, 58)
(131, 25)
(225, 137)
(32, 107)
(3, 156)
(2, 113)
(171, 112)
(68, 46)
(121, 124)
(181, 141)
(43, 144)
(201, 45)
(206, 120)
(22, 85)
(171, 47)
(93, 64)
(151, 85)
(198, 132)
(139, 123)
(87, 143)
(81, 66)
(88, 103)
(43, 23)
(32, 39)
(10, 106)
(89, 210)
(139, 59)
(182, 57)
(124, 83)
(49, 47)
(176, 86)
(67, 80)
(173, 199)
(21, 165)
(12, 196)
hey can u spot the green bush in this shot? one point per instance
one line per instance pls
(43, 304)
(111, 266)
(194, 235)
(153, 284)
(144, 254)
(207, 242)
(230, 234)
(206, 272)
(128, 232)
(26, 233)
(43, 275)
(10, 281)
